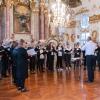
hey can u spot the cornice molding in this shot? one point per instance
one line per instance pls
(82, 10)
(94, 18)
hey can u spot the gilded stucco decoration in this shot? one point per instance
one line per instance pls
(94, 35)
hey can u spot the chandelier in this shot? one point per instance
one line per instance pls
(59, 13)
(25, 1)
(14, 2)
(1, 2)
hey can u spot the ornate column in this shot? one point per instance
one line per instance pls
(8, 10)
(7, 20)
(41, 19)
(35, 23)
(11, 21)
(46, 25)
(2, 24)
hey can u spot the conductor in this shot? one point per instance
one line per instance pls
(89, 49)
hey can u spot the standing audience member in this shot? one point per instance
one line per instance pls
(20, 60)
(5, 62)
(13, 46)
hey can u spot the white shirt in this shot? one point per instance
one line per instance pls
(89, 48)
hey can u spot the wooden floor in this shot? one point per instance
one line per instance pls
(53, 86)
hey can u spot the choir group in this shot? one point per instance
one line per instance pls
(18, 59)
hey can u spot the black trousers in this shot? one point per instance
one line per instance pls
(59, 62)
(14, 73)
(0, 69)
(68, 60)
(98, 61)
(95, 58)
(51, 63)
(90, 67)
(4, 68)
(77, 63)
(47, 62)
(32, 63)
(20, 82)
(84, 62)
(41, 64)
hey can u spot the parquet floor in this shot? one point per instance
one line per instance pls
(53, 86)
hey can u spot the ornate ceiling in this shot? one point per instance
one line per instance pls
(73, 3)
(70, 3)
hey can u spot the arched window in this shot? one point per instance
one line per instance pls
(84, 26)
(84, 21)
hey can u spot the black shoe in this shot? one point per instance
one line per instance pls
(5, 76)
(19, 88)
(0, 78)
(24, 90)
(88, 81)
(84, 68)
(42, 70)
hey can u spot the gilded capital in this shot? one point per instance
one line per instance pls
(32, 4)
(35, 10)
(42, 3)
(45, 11)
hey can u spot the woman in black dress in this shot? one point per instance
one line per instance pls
(67, 53)
(59, 51)
(77, 55)
(41, 57)
(50, 56)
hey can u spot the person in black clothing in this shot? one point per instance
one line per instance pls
(50, 57)
(59, 51)
(13, 46)
(84, 60)
(32, 59)
(1, 55)
(41, 56)
(77, 55)
(5, 62)
(98, 55)
(20, 61)
(32, 63)
(67, 53)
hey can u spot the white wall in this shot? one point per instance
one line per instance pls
(94, 9)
